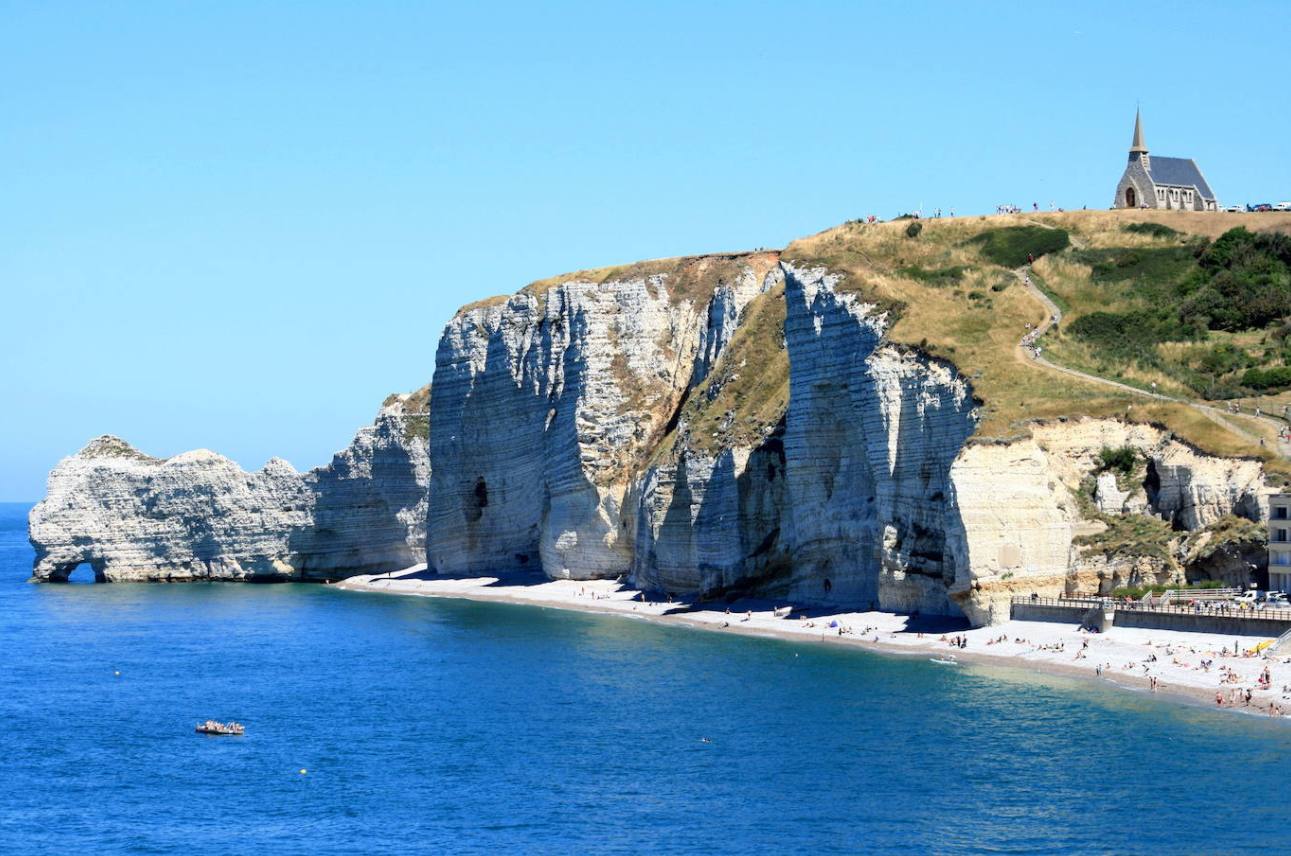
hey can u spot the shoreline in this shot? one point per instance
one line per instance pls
(1131, 657)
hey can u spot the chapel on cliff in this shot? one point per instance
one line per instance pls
(1162, 182)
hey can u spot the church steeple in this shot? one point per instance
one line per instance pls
(1137, 147)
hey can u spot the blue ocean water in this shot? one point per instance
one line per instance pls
(440, 726)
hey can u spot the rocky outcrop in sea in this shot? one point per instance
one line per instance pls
(199, 515)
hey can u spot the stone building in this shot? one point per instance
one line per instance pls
(1161, 182)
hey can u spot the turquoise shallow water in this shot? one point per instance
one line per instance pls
(433, 726)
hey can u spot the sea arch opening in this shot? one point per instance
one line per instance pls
(82, 573)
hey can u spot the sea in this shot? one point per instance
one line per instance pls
(383, 724)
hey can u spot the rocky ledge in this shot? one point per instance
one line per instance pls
(199, 515)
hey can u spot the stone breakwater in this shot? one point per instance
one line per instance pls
(198, 515)
(622, 427)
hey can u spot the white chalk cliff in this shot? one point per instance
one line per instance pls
(198, 515)
(705, 426)
(546, 405)
(579, 429)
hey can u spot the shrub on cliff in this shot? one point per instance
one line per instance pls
(1127, 335)
(1010, 246)
(1275, 378)
(934, 276)
(1243, 280)
(1154, 271)
(914, 229)
(1156, 230)
(1137, 592)
(1122, 459)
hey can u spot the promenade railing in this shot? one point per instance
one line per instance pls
(1226, 610)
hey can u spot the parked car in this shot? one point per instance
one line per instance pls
(1282, 206)
(1236, 209)
(1259, 206)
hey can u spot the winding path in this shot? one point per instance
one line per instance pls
(1214, 414)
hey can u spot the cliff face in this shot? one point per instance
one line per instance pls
(744, 427)
(871, 434)
(200, 516)
(547, 404)
(1020, 516)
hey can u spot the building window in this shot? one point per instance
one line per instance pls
(1280, 512)
(1283, 559)
(1280, 535)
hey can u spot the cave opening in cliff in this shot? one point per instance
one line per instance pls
(473, 505)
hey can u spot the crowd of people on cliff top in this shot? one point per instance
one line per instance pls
(918, 214)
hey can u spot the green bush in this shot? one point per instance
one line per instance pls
(1137, 592)
(1242, 281)
(1128, 335)
(1009, 246)
(935, 276)
(1224, 358)
(1153, 269)
(914, 229)
(1278, 377)
(1122, 459)
(1156, 230)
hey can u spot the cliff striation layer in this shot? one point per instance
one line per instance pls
(198, 515)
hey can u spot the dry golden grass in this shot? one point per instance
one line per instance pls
(1104, 228)
(747, 391)
(980, 335)
(484, 303)
(688, 277)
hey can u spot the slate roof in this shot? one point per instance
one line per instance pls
(1179, 172)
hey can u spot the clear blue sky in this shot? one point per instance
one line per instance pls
(240, 225)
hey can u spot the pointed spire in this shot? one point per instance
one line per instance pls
(1137, 146)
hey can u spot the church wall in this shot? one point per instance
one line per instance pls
(1135, 176)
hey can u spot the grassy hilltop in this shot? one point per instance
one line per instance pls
(1172, 298)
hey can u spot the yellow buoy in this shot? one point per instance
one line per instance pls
(303, 771)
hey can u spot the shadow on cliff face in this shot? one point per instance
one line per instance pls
(719, 536)
(357, 523)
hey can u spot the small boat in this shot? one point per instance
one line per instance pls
(945, 661)
(210, 726)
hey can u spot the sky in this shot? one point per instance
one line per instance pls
(240, 225)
